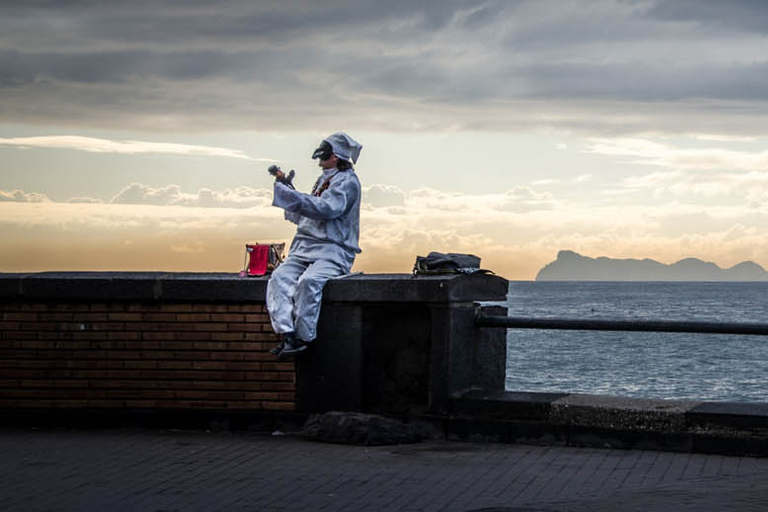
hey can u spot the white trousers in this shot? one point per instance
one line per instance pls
(294, 294)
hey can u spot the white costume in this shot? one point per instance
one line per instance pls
(325, 244)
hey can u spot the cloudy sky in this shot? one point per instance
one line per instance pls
(136, 135)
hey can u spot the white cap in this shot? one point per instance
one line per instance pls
(344, 146)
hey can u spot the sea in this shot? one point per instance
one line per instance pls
(709, 367)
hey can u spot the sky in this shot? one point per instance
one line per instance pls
(136, 135)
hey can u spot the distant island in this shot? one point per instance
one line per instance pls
(571, 266)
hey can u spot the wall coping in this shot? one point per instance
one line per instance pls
(230, 287)
(611, 422)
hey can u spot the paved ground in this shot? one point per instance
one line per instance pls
(152, 471)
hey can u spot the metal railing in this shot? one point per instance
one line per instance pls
(621, 325)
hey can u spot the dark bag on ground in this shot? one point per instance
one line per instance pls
(447, 263)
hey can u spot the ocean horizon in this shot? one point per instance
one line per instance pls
(680, 366)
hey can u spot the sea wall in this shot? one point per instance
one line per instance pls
(195, 343)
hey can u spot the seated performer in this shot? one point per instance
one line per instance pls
(325, 244)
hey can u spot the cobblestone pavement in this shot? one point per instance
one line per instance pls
(121, 470)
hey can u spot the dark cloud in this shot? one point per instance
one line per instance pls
(733, 15)
(389, 65)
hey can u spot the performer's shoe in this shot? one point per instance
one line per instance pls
(293, 347)
(288, 336)
(275, 351)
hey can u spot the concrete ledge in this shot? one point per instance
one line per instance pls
(611, 422)
(225, 287)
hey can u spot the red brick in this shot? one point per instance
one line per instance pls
(124, 354)
(142, 345)
(126, 317)
(145, 393)
(237, 327)
(123, 384)
(105, 404)
(143, 326)
(279, 367)
(56, 317)
(211, 327)
(38, 373)
(202, 394)
(194, 355)
(72, 383)
(246, 385)
(159, 317)
(193, 317)
(243, 308)
(73, 345)
(279, 406)
(107, 344)
(30, 383)
(28, 307)
(21, 317)
(141, 307)
(261, 318)
(254, 347)
(71, 307)
(175, 326)
(205, 384)
(194, 336)
(89, 335)
(176, 345)
(208, 365)
(263, 376)
(177, 308)
(91, 317)
(210, 345)
(140, 365)
(278, 386)
(99, 365)
(35, 354)
(124, 336)
(158, 354)
(91, 354)
(260, 395)
(158, 336)
(23, 335)
(70, 404)
(268, 336)
(251, 355)
(209, 308)
(228, 317)
(35, 344)
(100, 306)
(251, 406)
(226, 356)
(142, 404)
(175, 365)
(25, 404)
(227, 336)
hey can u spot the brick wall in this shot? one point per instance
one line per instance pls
(142, 356)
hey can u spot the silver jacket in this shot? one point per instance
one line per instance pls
(328, 223)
